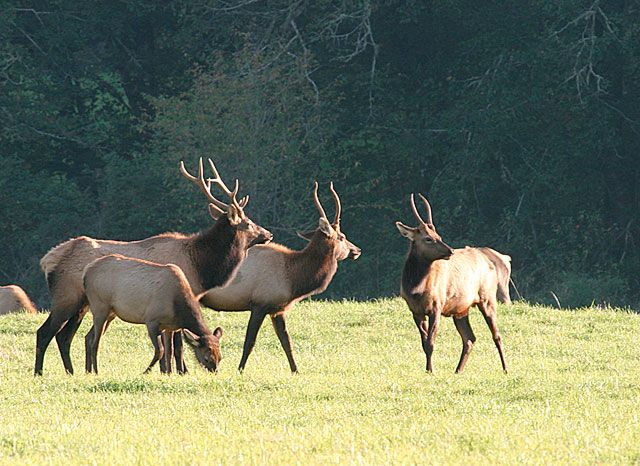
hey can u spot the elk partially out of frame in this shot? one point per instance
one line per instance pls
(143, 292)
(440, 281)
(208, 259)
(14, 299)
(273, 278)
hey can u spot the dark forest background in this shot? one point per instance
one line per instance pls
(520, 120)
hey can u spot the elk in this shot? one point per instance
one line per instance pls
(208, 259)
(273, 278)
(143, 292)
(440, 281)
(13, 299)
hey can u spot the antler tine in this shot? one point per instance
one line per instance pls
(317, 201)
(428, 206)
(415, 211)
(218, 180)
(244, 201)
(200, 182)
(336, 198)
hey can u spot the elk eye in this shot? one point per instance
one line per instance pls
(428, 240)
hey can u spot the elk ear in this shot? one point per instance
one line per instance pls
(192, 338)
(233, 215)
(305, 235)
(406, 231)
(218, 333)
(326, 228)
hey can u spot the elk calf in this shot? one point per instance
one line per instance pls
(13, 299)
(440, 281)
(273, 278)
(143, 292)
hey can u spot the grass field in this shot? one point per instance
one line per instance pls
(362, 397)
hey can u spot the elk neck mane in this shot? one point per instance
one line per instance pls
(312, 269)
(216, 253)
(415, 270)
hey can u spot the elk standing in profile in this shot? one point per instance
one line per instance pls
(273, 278)
(13, 299)
(440, 281)
(208, 259)
(143, 292)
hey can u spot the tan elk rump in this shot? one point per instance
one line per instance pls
(143, 292)
(208, 259)
(502, 263)
(14, 299)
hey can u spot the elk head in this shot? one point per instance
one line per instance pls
(426, 239)
(343, 248)
(233, 211)
(206, 348)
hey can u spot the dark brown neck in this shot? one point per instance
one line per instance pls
(313, 268)
(415, 270)
(216, 253)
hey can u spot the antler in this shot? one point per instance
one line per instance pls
(205, 186)
(428, 206)
(415, 210)
(338, 206)
(317, 201)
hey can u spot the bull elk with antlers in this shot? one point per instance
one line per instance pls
(440, 281)
(273, 278)
(208, 259)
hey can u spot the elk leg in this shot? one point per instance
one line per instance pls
(166, 360)
(490, 316)
(57, 319)
(100, 324)
(178, 352)
(280, 327)
(88, 344)
(255, 322)
(421, 323)
(434, 322)
(468, 339)
(156, 338)
(65, 336)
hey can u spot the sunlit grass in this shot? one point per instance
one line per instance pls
(362, 396)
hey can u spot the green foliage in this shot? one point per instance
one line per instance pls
(519, 121)
(362, 395)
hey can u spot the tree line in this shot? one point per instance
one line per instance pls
(520, 121)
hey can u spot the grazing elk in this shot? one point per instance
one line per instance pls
(440, 281)
(208, 259)
(273, 278)
(13, 299)
(143, 292)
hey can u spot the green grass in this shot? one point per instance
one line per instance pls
(572, 394)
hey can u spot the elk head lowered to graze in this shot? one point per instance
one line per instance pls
(273, 278)
(14, 299)
(440, 281)
(143, 292)
(208, 259)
